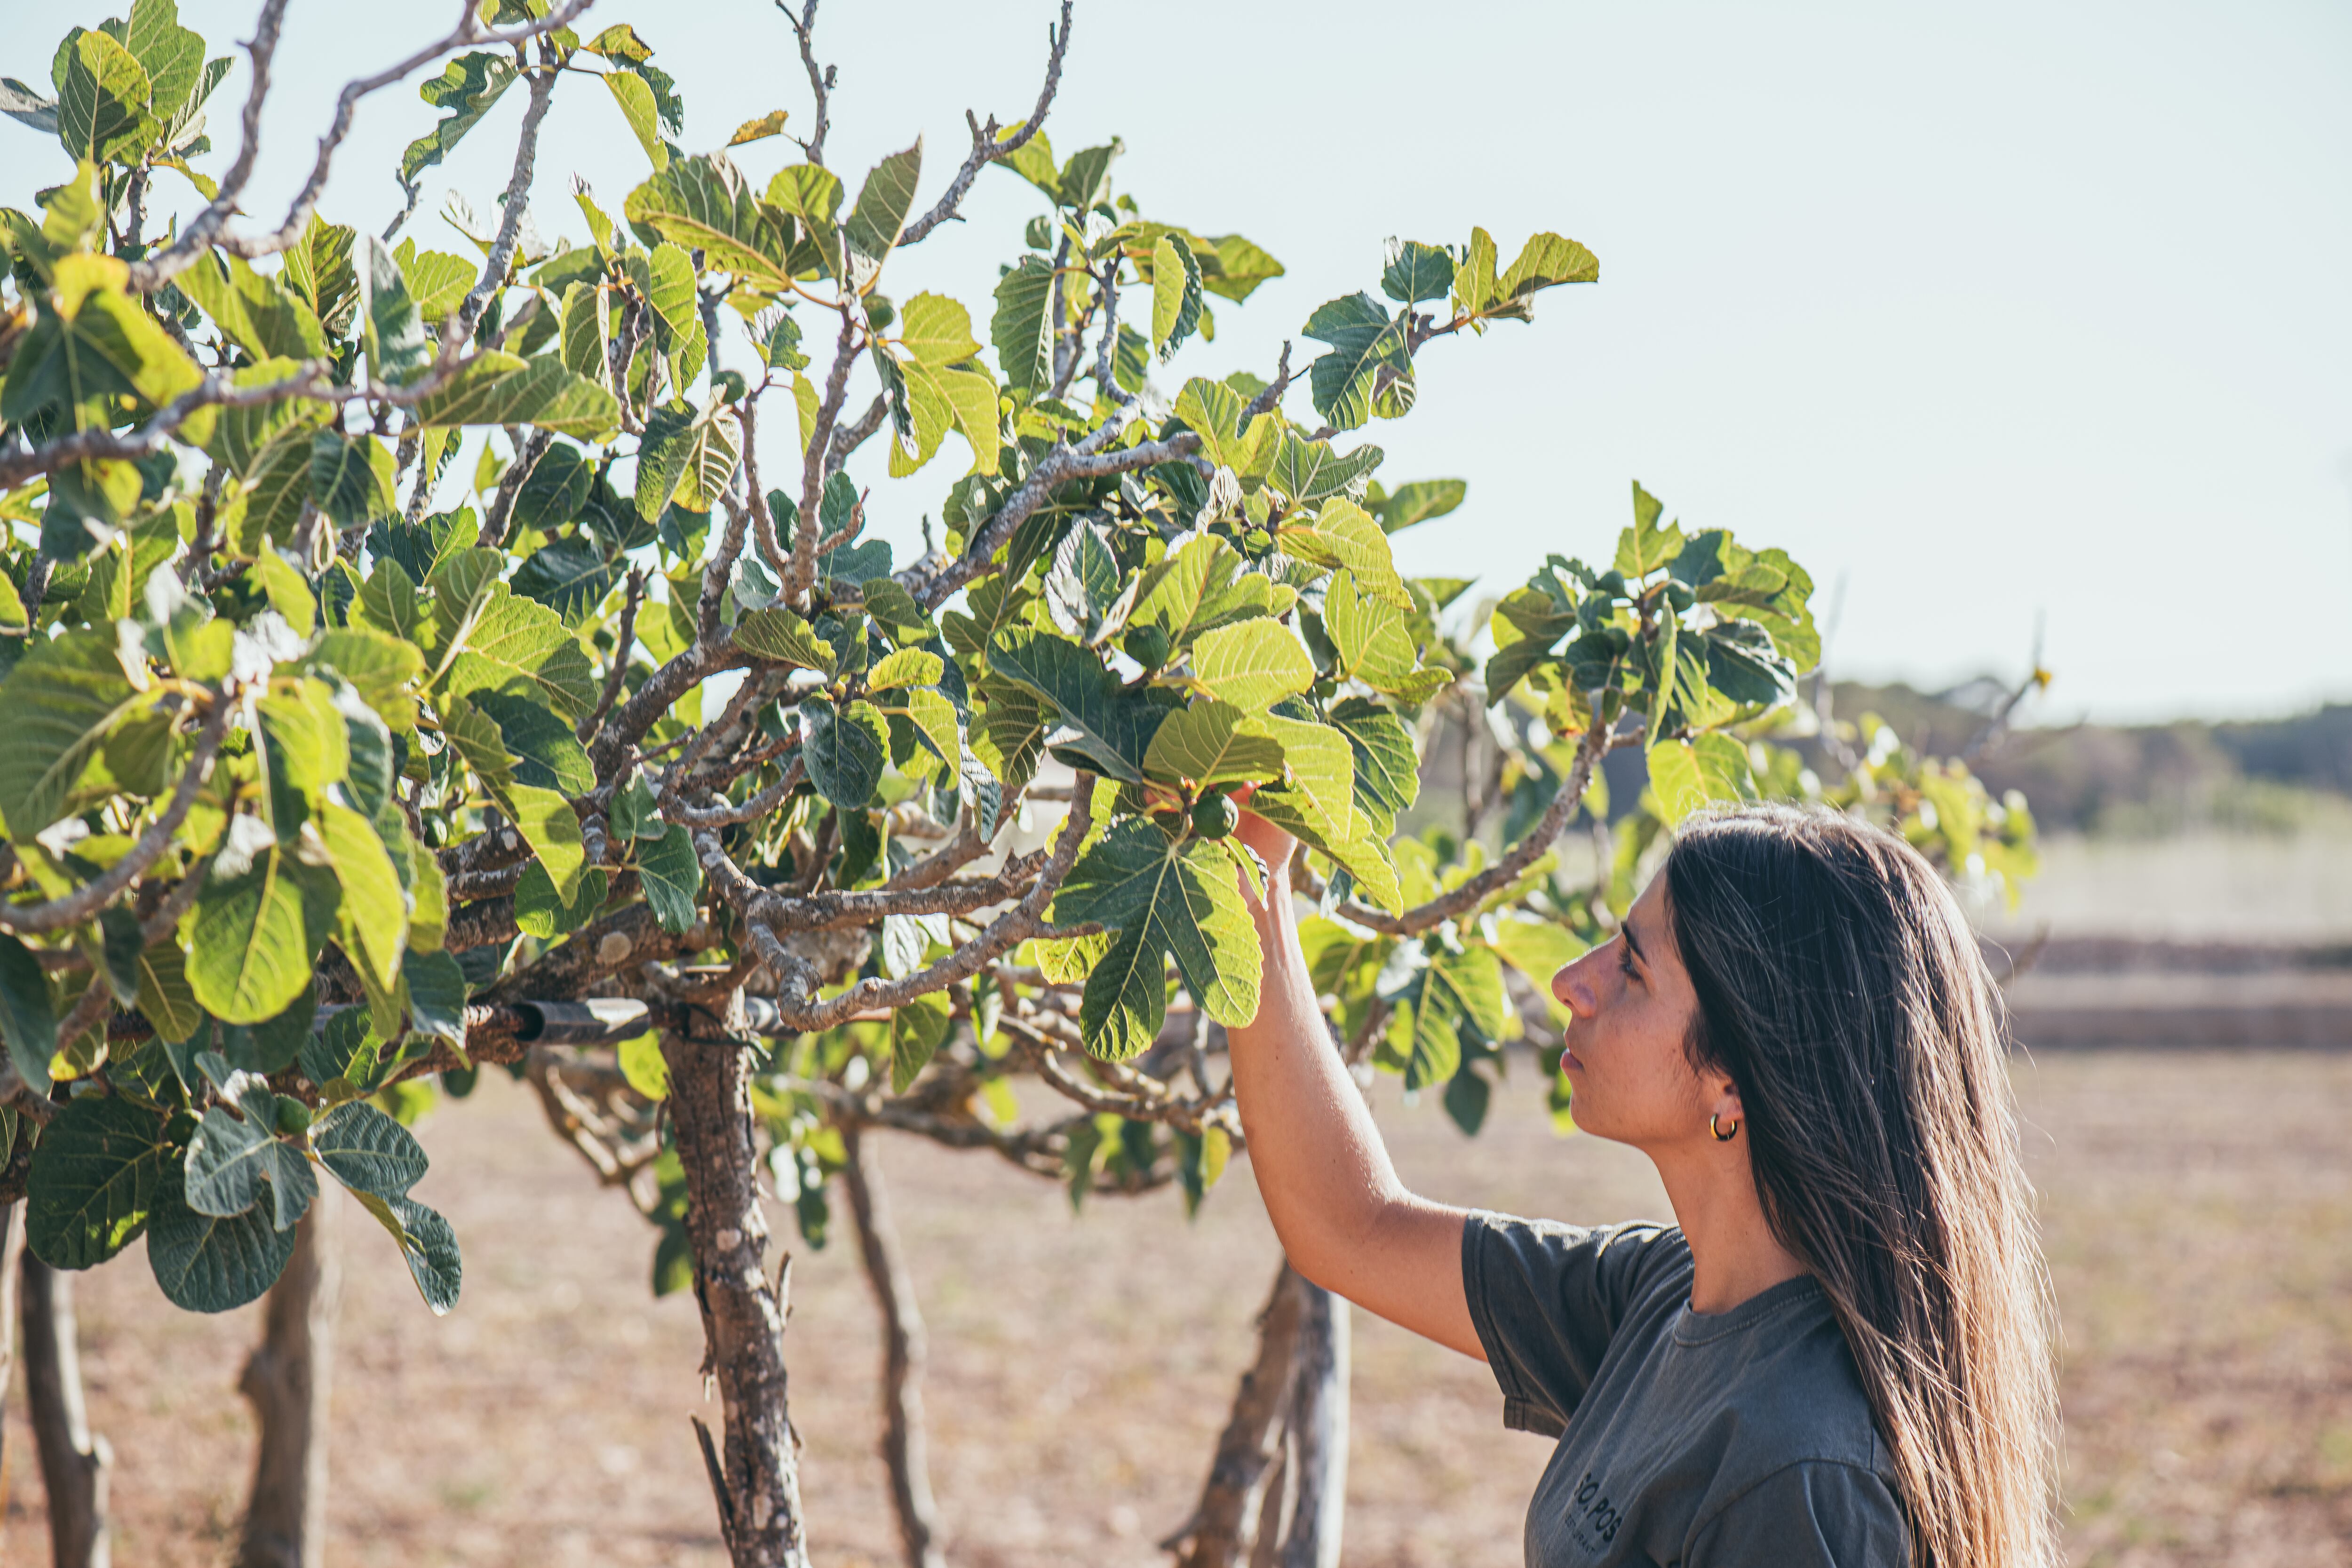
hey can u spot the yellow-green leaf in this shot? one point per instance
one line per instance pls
(636, 102)
(1251, 664)
(769, 124)
(1343, 534)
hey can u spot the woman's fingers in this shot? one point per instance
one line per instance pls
(1273, 845)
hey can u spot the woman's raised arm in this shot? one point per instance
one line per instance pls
(1345, 1220)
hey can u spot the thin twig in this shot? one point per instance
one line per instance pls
(216, 390)
(93, 895)
(206, 228)
(1514, 861)
(1106, 383)
(820, 81)
(530, 446)
(1265, 401)
(802, 576)
(1060, 466)
(986, 148)
(764, 518)
(459, 330)
(721, 569)
(622, 640)
(849, 437)
(800, 1009)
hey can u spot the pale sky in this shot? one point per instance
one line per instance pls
(1992, 312)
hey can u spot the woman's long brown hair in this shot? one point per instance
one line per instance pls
(1841, 990)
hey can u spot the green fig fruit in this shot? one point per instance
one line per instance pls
(1215, 816)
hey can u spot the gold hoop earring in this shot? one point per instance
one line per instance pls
(1714, 1125)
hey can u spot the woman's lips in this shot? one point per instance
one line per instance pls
(1568, 1061)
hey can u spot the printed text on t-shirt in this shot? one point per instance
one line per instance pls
(1596, 1510)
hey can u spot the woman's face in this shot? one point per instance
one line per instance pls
(1634, 1008)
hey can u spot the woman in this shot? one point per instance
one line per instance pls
(1840, 1353)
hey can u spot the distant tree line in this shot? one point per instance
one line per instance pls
(2274, 774)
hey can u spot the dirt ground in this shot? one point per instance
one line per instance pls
(2200, 1221)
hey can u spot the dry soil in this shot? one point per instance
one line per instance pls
(2198, 1209)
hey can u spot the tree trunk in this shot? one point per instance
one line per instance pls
(758, 1482)
(1280, 1488)
(74, 1462)
(904, 1448)
(1226, 1523)
(287, 1378)
(11, 1243)
(1319, 1433)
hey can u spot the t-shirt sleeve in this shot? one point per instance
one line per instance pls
(1547, 1298)
(1815, 1514)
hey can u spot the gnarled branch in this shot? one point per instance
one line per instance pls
(932, 583)
(798, 1010)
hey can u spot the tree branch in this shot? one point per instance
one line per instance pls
(849, 437)
(1514, 862)
(985, 147)
(820, 81)
(1217, 1535)
(622, 940)
(721, 569)
(904, 1445)
(95, 894)
(516, 201)
(630, 720)
(772, 553)
(1084, 461)
(529, 448)
(76, 1463)
(1265, 401)
(1106, 347)
(722, 815)
(622, 642)
(206, 228)
(802, 576)
(963, 847)
(798, 1008)
(216, 390)
(821, 911)
(149, 275)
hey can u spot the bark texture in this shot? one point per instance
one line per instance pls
(75, 1462)
(755, 1469)
(1277, 1488)
(287, 1379)
(11, 1243)
(904, 1451)
(1319, 1432)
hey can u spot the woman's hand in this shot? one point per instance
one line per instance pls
(1273, 844)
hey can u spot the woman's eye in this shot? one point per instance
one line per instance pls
(1625, 964)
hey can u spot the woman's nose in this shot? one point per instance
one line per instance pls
(1573, 986)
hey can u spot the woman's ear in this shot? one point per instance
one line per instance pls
(1726, 1114)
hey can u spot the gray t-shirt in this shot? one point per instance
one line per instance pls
(1737, 1439)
